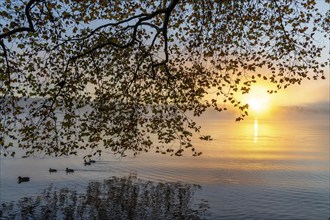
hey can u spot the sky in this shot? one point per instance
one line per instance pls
(311, 93)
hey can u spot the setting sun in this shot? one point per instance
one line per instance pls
(258, 99)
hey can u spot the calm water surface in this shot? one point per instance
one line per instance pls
(255, 169)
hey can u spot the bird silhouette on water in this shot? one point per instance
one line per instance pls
(67, 170)
(23, 179)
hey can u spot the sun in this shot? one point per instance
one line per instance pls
(258, 99)
(255, 105)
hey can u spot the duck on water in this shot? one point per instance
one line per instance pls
(23, 179)
(69, 170)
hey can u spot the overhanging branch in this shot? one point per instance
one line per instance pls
(30, 28)
(142, 21)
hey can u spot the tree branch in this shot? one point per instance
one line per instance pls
(6, 58)
(142, 18)
(29, 19)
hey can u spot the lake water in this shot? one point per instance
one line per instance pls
(255, 169)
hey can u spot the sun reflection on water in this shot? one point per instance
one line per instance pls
(256, 130)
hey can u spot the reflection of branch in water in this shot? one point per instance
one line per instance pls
(115, 198)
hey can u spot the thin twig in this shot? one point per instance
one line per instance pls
(28, 7)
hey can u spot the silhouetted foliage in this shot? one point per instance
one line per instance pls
(115, 198)
(119, 75)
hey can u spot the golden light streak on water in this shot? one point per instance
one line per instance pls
(256, 130)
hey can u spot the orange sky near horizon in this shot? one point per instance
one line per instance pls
(310, 91)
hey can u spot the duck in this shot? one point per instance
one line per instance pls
(87, 163)
(69, 170)
(52, 170)
(23, 179)
(92, 161)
